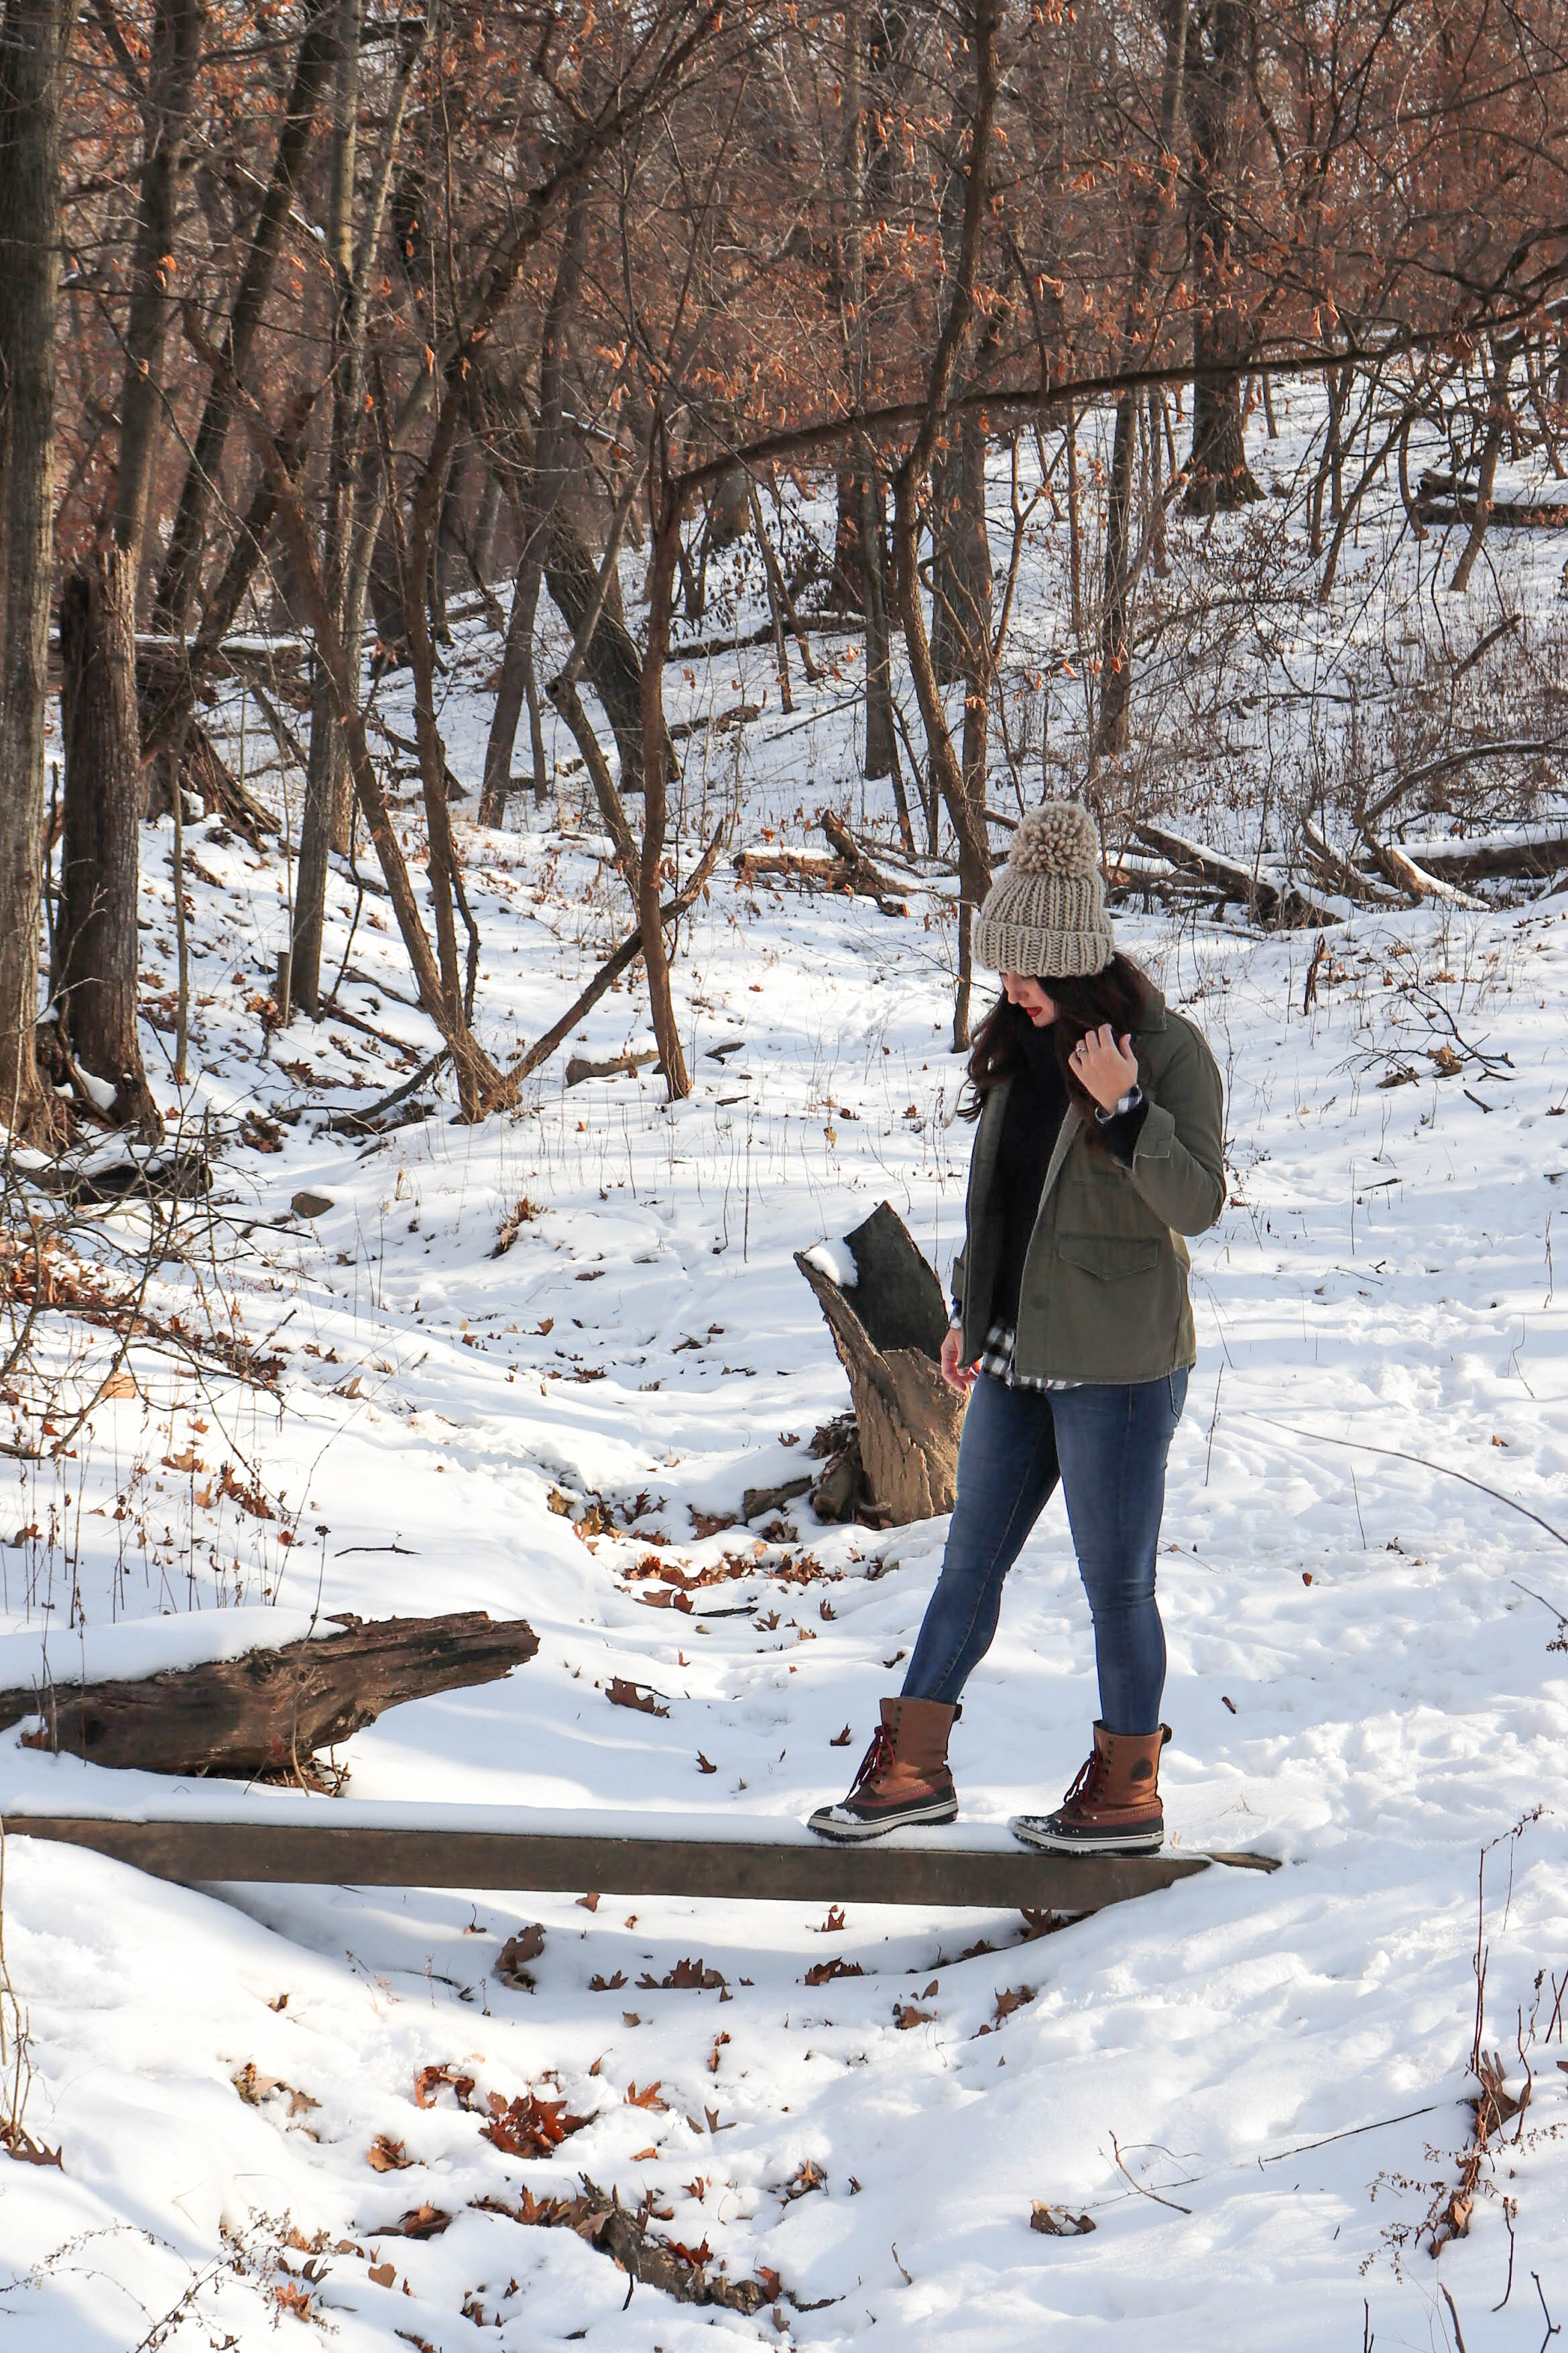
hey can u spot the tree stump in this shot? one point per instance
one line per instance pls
(888, 1327)
(270, 1710)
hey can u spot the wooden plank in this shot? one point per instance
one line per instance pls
(332, 1854)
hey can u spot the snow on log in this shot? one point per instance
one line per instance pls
(1398, 867)
(1276, 897)
(888, 1324)
(1534, 849)
(270, 1707)
(1440, 501)
(1340, 875)
(835, 1261)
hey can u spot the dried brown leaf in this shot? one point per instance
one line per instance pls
(1014, 1999)
(526, 1946)
(428, 2082)
(686, 1976)
(621, 1694)
(424, 2223)
(529, 2127)
(826, 1971)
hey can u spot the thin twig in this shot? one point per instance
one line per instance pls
(1399, 1454)
(1510, 2209)
(1351, 2132)
(1453, 2315)
(1142, 2189)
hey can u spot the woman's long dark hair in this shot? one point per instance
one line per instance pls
(1119, 995)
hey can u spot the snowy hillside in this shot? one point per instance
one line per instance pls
(585, 1321)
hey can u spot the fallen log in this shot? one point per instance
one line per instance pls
(796, 865)
(619, 1066)
(1439, 500)
(1340, 875)
(866, 877)
(270, 1709)
(1396, 866)
(1534, 850)
(1275, 897)
(888, 1317)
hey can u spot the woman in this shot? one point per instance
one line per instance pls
(1098, 1146)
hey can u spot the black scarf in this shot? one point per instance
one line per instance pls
(1037, 1102)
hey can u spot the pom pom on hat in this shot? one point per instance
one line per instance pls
(1058, 837)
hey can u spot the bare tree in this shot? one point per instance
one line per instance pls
(95, 982)
(1222, 38)
(962, 788)
(34, 35)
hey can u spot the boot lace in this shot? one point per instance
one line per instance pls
(879, 1758)
(1089, 1782)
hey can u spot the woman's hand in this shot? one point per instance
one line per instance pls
(954, 1372)
(1104, 1063)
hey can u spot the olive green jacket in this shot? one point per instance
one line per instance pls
(1104, 1295)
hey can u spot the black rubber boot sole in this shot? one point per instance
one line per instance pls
(848, 1829)
(1040, 1831)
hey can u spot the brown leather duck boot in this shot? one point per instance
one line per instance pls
(903, 1776)
(1113, 1806)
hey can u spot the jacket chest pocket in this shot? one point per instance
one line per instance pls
(1109, 1257)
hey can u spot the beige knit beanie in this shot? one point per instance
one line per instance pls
(1045, 914)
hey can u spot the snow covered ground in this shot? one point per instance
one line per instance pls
(1255, 2087)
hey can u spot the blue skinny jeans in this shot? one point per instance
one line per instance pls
(1106, 1444)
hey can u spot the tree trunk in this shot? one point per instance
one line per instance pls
(270, 1710)
(882, 741)
(96, 982)
(1497, 417)
(728, 508)
(1220, 479)
(1116, 618)
(611, 662)
(171, 82)
(546, 480)
(656, 963)
(967, 812)
(512, 694)
(961, 569)
(327, 767)
(450, 537)
(352, 507)
(877, 47)
(33, 40)
(846, 585)
(887, 1327)
(961, 551)
(182, 561)
(1116, 613)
